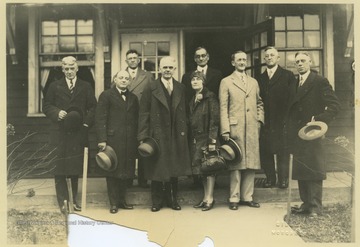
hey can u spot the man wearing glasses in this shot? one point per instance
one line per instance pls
(163, 117)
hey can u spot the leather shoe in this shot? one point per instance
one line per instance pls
(268, 184)
(176, 206)
(155, 208)
(63, 210)
(250, 204)
(233, 206)
(299, 210)
(284, 184)
(124, 205)
(113, 209)
(77, 207)
(201, 204)
(208, 206)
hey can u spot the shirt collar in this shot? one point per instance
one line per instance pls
(239, 74)
(273, 69)
(121, 91)
(167, 82)
(305, 76)
(199, 68)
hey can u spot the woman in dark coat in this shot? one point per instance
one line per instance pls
(116, 121)
(204, 125)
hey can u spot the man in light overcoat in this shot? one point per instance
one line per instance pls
(163, 117)
(241, 116)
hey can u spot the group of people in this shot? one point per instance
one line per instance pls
(260, 116)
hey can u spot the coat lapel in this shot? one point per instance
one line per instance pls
(137, 80)
(236, 81)
(249, 84)
(158, 93)
(275, 78)
(305, 88)
(176, 95)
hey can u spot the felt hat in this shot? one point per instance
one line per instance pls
(73, 119)
(149, 148)
(231, 151)
(313, 130)
(107, 159)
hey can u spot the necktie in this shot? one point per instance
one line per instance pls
(168, 88)
(133, 74)
(301, 81)
(243, 80)
(203, 72)
(71, 88)
(123, 95)
(270, 73)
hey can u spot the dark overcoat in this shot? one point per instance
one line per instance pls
(168, 125)
(69, 146)
(275, 94)
(204, 125)
(116, 124)
(315, 98)
(213, 78)
(140, 81)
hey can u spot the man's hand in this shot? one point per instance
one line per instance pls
(225, 136)
(62, 115)
(102, 146)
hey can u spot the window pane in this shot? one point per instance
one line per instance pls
(67, 27)
(282, 61)
(49, 44)
(85, 27)
(49, 28)
(163, 49)
(67, 44)
(279, 23)
(249, 61)
(149, 64)
(247, 45)
(256, 58)
(150, 49)
(263, 41)
(294, 39)
(315, 57)
(85, 43)
(294, 23)
(136, 47)
(290, 59)
(311, 22)
(256, 41)
(280, 39)
(312, 39)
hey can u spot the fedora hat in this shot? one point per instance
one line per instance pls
(231, 151)
(313, 130)
(73, 119)
(107, 159)
(149, 147)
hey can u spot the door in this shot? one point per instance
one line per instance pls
(151, 47)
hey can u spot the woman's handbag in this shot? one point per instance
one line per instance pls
(212, 162)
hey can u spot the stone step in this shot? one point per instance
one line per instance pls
(337, 188)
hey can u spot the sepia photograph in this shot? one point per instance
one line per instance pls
(176, 124)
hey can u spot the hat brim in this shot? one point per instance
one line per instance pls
(149, 142)
(107, 159)
(313, 131)
(224, 151)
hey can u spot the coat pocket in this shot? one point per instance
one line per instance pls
(233, 121)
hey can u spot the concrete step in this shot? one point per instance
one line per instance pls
(337, 188)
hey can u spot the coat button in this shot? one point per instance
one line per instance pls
(182, 133)
(247, 110)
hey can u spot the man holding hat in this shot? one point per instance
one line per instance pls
(163, 118)
(116, 126)
(241, 116)
(312, 100)
(70, 105)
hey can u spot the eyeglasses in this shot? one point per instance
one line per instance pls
(167, 67)
(201, 56)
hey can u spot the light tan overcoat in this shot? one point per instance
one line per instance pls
(241, 111)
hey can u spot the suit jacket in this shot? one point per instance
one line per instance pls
(140, 81)
(69, 146)
(275, 95)
(116, 124)
(315, 98)
(168, 125)
(213, 78)
(241, 110)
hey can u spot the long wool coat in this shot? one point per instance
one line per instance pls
(168, 125)
(315, 98)
(138, 84)
(116, 124)
(241, 112)
(69, 146)
(275, 93)
(204, 125)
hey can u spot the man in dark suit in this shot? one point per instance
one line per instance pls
(212, 82)
(138, 80)
(163, 117)
(116, 119)
(275, 85)
(313, 100)
(68, 93)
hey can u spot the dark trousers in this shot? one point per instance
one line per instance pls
(116, 188)
(141, 177)
(268, 164)
(164, 192)
(61, 188)
(311, 194)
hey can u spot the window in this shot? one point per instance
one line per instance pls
(151, 53)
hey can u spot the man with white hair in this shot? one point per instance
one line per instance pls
(70, 104)
(163, 117)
